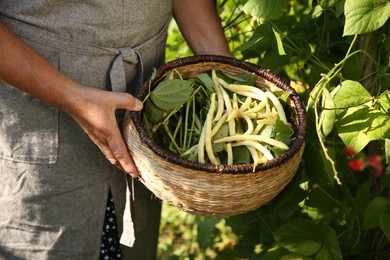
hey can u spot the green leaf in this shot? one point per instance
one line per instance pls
(331, 249)
(384, 102)
(190, 156)
(265, 9)
(242, 78)
(282, 95)
(318, 168)
(279, 42)
(222, 132)
(351, 93)
(384, 224)
(362, 16)
(206, 228)
(283, 132)
(362, 197)
(375, 209)
(303, 246)
(387, 150)
(207, 82)
(298, 236)
(357, 126)
(301, 42)
(327, 4)
(308, 3)
(276, 253)
(339, 8)
(317, 198)
(385, 180)
(246, 244)
(241, 155)
(172, 93)
(273, 61)
(153, 113)
(306, 238)
(260, 40)
(286, 209)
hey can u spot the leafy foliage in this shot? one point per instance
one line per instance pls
(365, 16)
(336, 54)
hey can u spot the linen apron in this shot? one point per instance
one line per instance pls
(54, 180)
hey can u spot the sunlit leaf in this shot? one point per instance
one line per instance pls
(351, 93)
(279, 43)
(357, 126)
(384, 102)
(265, 9)
(362, 16)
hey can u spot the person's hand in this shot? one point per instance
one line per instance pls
(95, 113)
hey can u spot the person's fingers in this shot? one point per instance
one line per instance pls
(115, 151)
(129, 102)
(119, 153)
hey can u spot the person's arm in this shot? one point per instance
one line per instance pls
(200, 25)
(93, 109)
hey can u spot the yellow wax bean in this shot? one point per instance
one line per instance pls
(278, 106)
(207, 126)
(258, 138)
(250, 126)
(219, 124)
(229, 151)
(257, 146)
(220, 102)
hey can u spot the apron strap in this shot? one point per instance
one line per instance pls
(117, 70)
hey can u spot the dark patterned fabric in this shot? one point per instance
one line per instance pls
(110, 248)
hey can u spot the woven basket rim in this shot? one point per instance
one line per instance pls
(279, 160)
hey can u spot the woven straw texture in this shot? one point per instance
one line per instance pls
(206, 189)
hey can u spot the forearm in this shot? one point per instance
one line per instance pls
(27, 70)
(93, 109)
(200, 25)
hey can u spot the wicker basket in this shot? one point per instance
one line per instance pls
(207, 189)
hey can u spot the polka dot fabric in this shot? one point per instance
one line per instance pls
(110, 248)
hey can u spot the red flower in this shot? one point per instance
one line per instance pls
(376, 163)
(356, 165)
(349, 151)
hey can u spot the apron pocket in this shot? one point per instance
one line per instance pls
(29, 128)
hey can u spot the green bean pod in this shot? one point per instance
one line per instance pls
(328, 114)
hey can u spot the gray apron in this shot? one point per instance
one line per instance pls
(53, 180)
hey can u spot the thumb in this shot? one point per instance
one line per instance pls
(129, 102)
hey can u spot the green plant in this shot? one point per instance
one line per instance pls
(336, 54)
